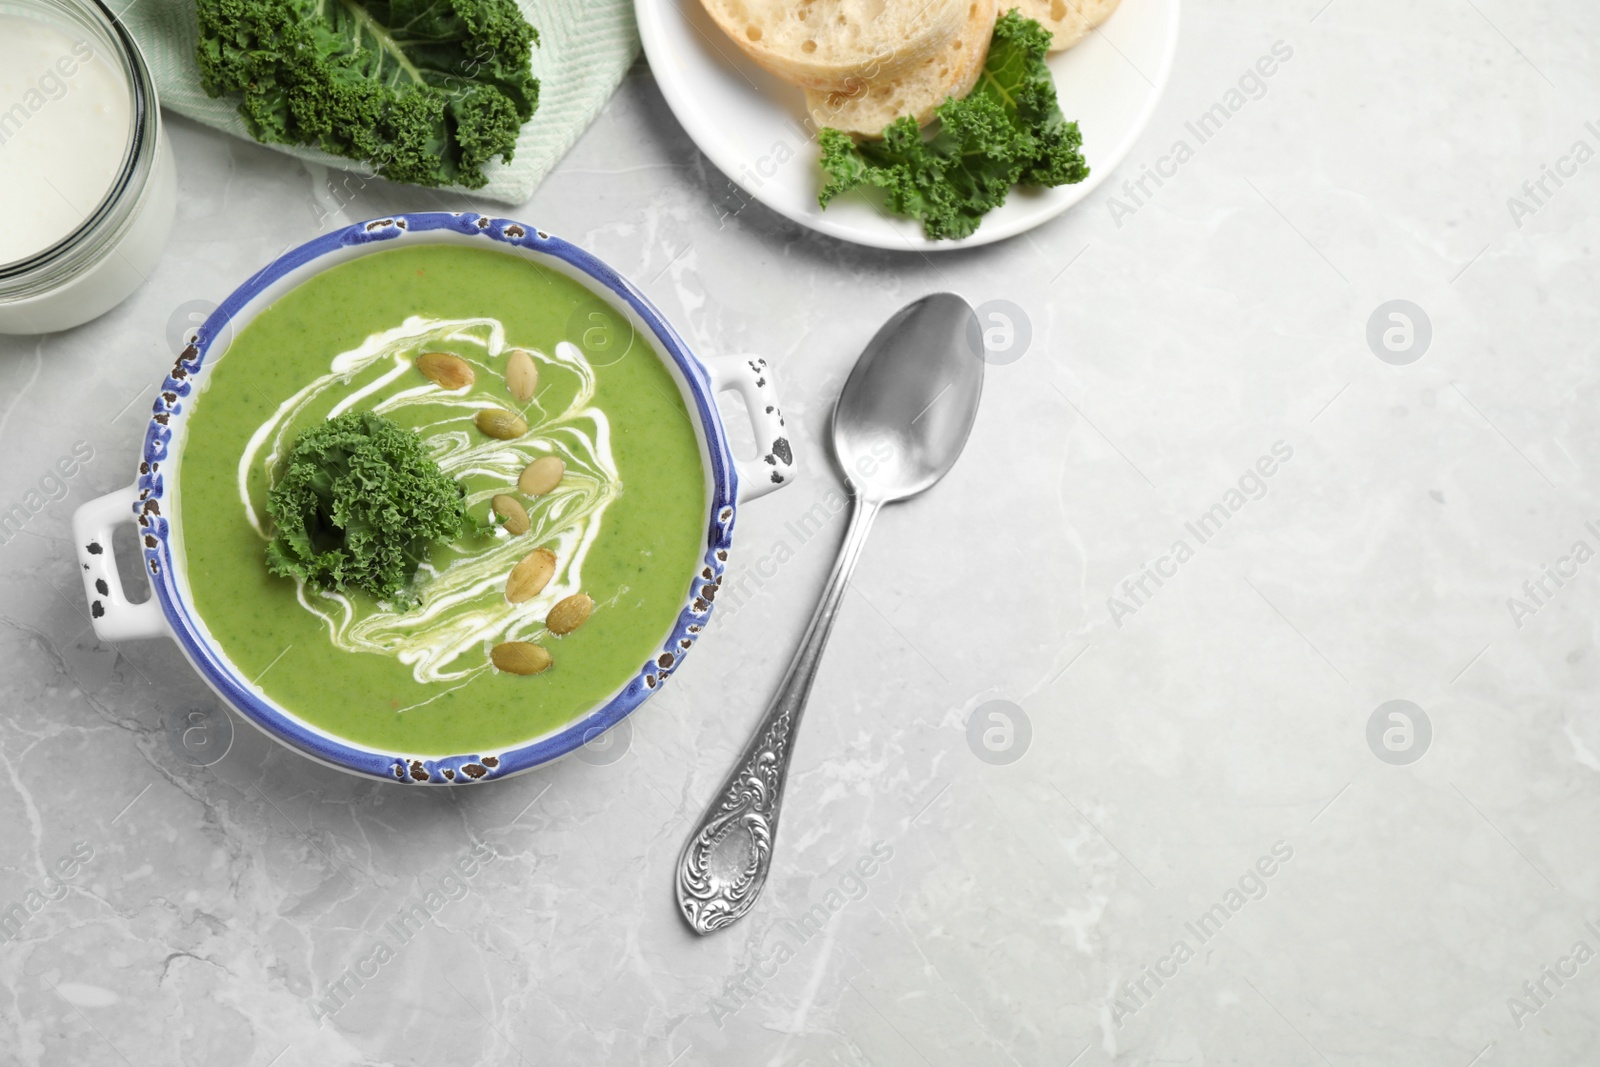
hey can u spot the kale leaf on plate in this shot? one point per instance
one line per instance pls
(427, 91)
(1007, 131)
(358, 504)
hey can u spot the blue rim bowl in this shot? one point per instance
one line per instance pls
(161, 459)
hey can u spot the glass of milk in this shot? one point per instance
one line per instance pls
(86, 177)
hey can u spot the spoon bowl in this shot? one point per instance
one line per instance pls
(913, 395)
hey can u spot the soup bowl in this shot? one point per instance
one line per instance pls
(152, 503)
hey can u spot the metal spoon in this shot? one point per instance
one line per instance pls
(900, 423)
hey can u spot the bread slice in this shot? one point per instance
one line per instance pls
(838, 44)
(918, 91)
(1068, 20)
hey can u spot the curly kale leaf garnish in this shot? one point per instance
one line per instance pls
(358, 505)
(1008, 131)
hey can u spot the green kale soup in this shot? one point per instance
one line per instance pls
(626, 523)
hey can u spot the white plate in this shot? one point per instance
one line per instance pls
(755, 127)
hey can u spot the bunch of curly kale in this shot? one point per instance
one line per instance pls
(426, 91)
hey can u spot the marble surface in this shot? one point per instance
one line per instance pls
(1182, 840)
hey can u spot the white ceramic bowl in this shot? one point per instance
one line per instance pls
(153, 501)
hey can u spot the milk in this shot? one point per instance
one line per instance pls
(65, 115)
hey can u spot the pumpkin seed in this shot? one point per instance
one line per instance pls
(569, 614)
(528, 578)
(501, 424)
(542, 475)
(514, 514)
(445, 370)
(522, 375)
(520, 657)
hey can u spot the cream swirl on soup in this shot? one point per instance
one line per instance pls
(462, 605)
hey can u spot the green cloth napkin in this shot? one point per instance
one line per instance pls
(586, 46)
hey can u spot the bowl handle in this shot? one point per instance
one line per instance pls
(114, 618)
(749, 376)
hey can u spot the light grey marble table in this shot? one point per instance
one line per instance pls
(1099, 768)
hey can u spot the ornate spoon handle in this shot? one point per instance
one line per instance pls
(724, 863)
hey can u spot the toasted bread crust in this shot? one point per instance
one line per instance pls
(1069, 21)
(916, 92)
(838, 44)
